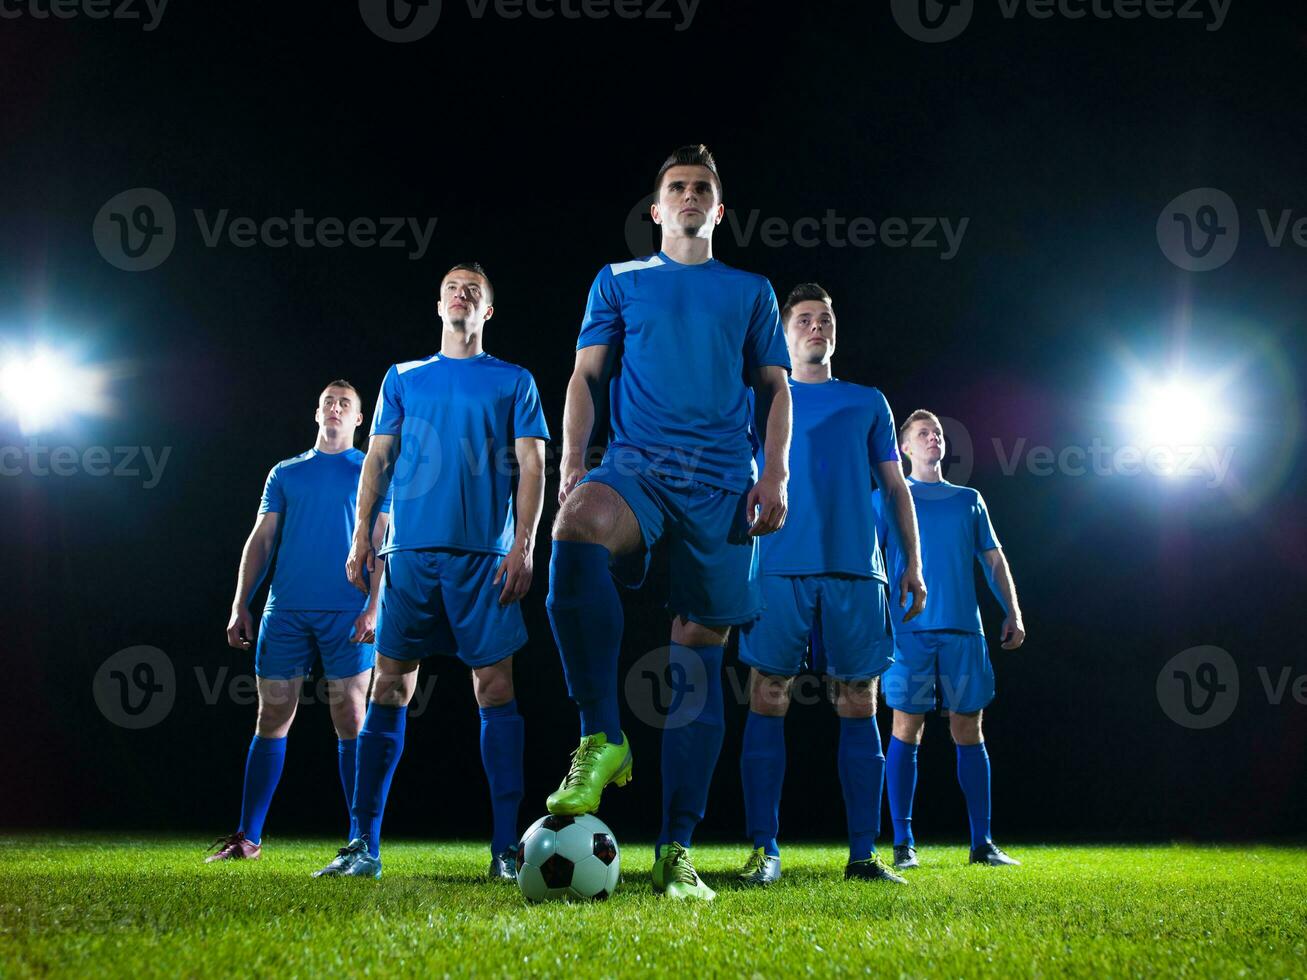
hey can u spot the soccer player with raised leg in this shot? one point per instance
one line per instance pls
(942, 653)
(823, 584)
(677, 333)
(457, 560)
(306, 519)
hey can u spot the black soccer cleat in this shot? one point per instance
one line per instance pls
(872, 869)
(991, 854)
(905, 856)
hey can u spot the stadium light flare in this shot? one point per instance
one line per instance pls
(44, 387)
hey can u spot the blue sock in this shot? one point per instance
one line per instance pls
(347, 752)
(973, 776)
(762, 773)
(263, 765)
(692, 739)
(585, 613)
(503, 736)
(901, 781)
(862, 776)
(380, 744)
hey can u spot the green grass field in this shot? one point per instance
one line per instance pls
(147, 907)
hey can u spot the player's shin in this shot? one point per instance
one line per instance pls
(762, 774)
(901, 782)
(692, 740)
(862, 776)
(503, 736)
(381, 742)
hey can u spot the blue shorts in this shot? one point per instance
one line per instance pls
(713, 559)
(950, 665)
(438, 601)
(845, 617)
(290, 639)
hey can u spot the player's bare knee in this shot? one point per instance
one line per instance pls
(854, 699)
(965, 728)
(493, 685)
(394, 681)
(909, 727)
(691, 634)
(769, 694)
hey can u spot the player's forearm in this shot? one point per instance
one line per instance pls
(999, 575)
(530, 501)
(578, 419)
(374, 484)
(374, 582)
(905, 520)
(254, 562)
(775, 410)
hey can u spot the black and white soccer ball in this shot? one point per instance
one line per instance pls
(567, 858)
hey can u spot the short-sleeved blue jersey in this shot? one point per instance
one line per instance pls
(316, 494)
(686, 335)
(457, 419)
(841, 431)
(954, 527)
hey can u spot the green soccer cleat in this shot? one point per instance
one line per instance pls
(595, 764)
(873, 869)
(352, 861)
(760, 870)
(674, 875)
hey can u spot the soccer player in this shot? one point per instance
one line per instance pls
(823, 581)
(306, 519)
(942, 653)
(677, 333)
(458, 558)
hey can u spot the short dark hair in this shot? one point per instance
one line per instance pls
(474, 267)
(689, 156)
(802, 293)
(341, 383)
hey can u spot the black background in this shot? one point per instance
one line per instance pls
(530, 141)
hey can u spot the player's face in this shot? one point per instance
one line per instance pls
(687, 205)
(810, 332)
(924, 441)
(464, 301)
(339, 410)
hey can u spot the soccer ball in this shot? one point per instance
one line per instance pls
(567, 858)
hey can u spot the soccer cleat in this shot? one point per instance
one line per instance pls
(234, 847)
(595, 764)
(674, 875)
(352, 861)
(872, 869)
(503, 866)
(760, 870)
(990, 853)
(905, 856)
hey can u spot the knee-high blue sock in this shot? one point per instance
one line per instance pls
(862, 776)
(585, 614)
(263, 764)
(347, 755)
(692, 739)
(901, 781)
(503, 736)
(973, 776)
(762, 773)
(380, 744)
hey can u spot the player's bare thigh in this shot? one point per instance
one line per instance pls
(596, 513)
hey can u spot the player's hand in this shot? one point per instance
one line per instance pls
(240, 628)
(770, 501)
(516, 571)
(1014, 633)
(365, 626)
(568, 477)
(362, 557)
(913, 583)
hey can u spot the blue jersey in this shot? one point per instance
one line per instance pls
(841, 431)
(954, 528)
(685, 336)
(457, 419)
(316, 495)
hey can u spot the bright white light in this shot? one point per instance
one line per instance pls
(44, 387)
(1175, 414)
